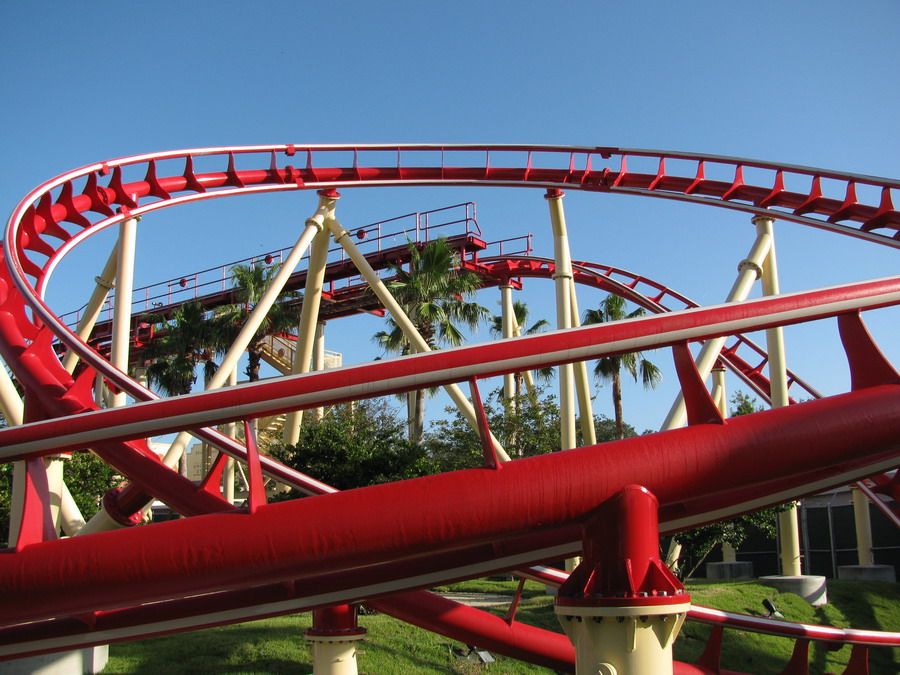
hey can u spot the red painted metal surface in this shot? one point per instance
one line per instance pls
(621, 565)
(433, 369)
(467, 507)
(63, 212)
(336, 622)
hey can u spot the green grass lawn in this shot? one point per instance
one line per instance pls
(277, 645)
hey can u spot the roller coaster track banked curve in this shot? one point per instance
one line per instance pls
(58, 212)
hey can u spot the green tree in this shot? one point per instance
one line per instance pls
(183, 340)
(520, 314)
(251, 282)
(89, 478)
(86, 475)
(355, 447)
(609, 368)
(526, 427)
(698, 543)
(435, 292)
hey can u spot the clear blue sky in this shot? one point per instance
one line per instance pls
(812, 83)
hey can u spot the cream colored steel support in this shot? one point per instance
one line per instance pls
(527, 377)
(258, 315)
(54, 465)
(99, 390)
(563, 279)
(774, 336)
(508, 318)
(582, 382)
(788, 521)
(254, 321)
(17, 501)
(70, 519)
(231, 432)
(290, 435)
(749, 271)
(789, 536)
(720, 397)
(102, 521)
(334, 655)
(121, 337)
(105, 283)
(673, 554)
(14, 411)
(626, 641)
(863, 527)
(10, 402)
(309, 316)
(719, 393)
(417, 342)
(319, 359)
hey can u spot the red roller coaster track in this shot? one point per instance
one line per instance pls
(479, 520)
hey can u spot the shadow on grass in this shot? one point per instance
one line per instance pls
(275, 646)
(234, 649)
(866, 605)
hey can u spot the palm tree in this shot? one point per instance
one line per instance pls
(433, 291)
(184, 339)
(250, 283)
(609, 367)
(520, 314)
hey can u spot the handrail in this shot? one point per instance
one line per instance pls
(217, 279)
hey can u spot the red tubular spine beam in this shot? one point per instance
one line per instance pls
(464, 507)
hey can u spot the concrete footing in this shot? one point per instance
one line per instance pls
(89, 660)
(867, 573)
(810, 588)
(729, 571)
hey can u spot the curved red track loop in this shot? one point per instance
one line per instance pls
(40, 216)
(55, 210)
(654, 297)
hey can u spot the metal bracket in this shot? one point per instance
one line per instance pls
(488, 451)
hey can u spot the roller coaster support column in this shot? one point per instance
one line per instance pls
(14, 412)
(863, 527)
(719, 392)
(334, 635)
(749, 271)
(121, 338)
(416, 341)
(621, 607)
(788, 525)
(10, 402)
(105, 283)
(319, 359)
(507, 316)
(527, 377)
(582, 384)
(720, 397)
(231, 432)
(563, 279)
(309, 313)
(258, 315)
(103, 521)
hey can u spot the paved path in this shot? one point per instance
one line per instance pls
(478, 599)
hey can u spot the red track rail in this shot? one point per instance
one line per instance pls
(61, 213)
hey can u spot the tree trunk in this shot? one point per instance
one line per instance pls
(418, 422)
(253, 364)
(617, 405)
